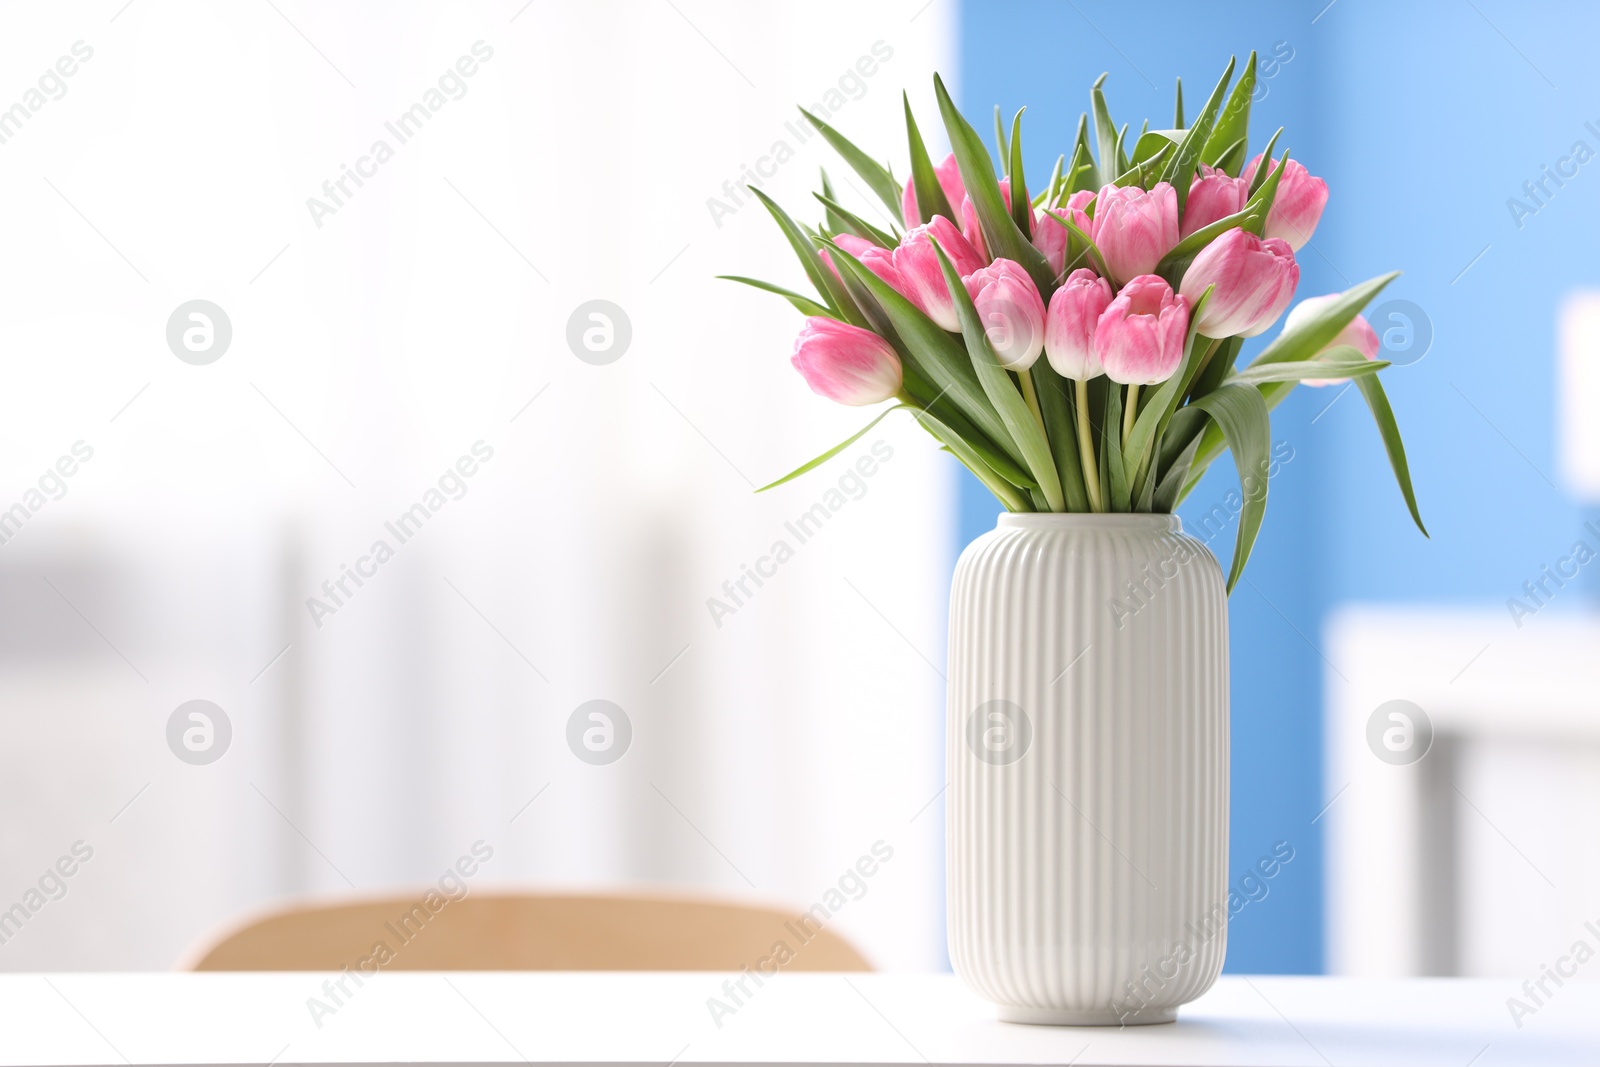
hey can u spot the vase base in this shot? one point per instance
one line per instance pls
(1011, 1013)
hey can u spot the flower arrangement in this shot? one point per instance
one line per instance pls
(1137, 270)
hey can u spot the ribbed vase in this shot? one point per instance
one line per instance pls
(1088, 768)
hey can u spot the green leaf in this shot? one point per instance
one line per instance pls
(1055, 405)
(831, 289)
(1000, 134)
(1154, 142)
(834, 451)
(1232, 158)
(1341, 361)
(877, 176)
(1171, 483)
(1308, 338)
(1218, 367)
(1105, 131)
(1009, 495)
(1141, 173)
(931, 200)
(933, 353)
(1028, 435)
(1120, 493)
(802, 304)
(1266, 154)
(1383, 415)
(1001, 235)
(1079, 246)
(1048, 194)
(1082, 174)
(1247, 427)
(857, 225)
(1181, 167)
(834, 223)
(1316, 331)
(1177, 110)
(1233, 124)
(1021, 209)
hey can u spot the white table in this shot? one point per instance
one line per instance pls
(662, 1019)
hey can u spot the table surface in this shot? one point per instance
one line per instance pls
(664, 1019)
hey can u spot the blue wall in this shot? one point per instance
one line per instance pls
(1424, 119)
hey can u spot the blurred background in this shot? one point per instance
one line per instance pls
(401, 345)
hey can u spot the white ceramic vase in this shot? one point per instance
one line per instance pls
(1088, 768)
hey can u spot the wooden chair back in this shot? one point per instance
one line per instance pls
(532, 932)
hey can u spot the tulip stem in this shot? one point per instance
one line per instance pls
(1091, 468)
(1130, 411)
(1032, 397)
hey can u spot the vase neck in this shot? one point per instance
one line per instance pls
(1012, 520)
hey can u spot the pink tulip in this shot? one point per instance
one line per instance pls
(1050, 238)
(949, 175)
(1213, 196)
(969, 219)
(1069, 326)
(1134, 228)
(921, 278)
(1011, 311)
(1298, 204)
(846, 363)
(1254, 281)
(1139, 337)
(1357, 333)
(878, 260)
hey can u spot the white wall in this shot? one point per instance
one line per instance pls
(370, 352)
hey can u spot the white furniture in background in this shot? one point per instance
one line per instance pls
(1479, 859)
(656, 1019)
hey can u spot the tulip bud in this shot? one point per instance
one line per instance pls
(920, 278)
(1134, 228)
(1254, 280)
(1357, 333)
(1297, 206)
(1011, 311)
(846, 363)
(1139, 337)
(949, 175)
(876, 259)
(1070, 323)
(1213, 196)
(971, 228)
(1051, 238)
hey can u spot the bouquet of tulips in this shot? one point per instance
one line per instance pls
(1137, 270)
